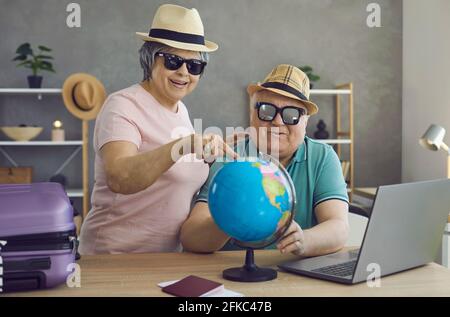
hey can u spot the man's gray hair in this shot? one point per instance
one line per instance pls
(147, 56)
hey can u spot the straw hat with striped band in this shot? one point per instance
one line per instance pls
(289, 81)
(178, 27)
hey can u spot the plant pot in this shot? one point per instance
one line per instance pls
(34, 81)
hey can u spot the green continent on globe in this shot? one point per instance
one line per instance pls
(271, 185)
(273, 188)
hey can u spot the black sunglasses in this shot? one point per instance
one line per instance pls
(290, 115)
(173, 62)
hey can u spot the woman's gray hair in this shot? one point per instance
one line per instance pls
(147, 56)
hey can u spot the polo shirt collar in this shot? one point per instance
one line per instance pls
(300, 154)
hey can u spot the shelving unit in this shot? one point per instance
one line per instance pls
(344, 137)
(80, 145)
(29, 91)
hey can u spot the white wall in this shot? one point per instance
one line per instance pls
(426, 85)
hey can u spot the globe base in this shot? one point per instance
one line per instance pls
(249, 272)
(256, 274)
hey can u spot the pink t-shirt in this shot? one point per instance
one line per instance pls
(150, 220)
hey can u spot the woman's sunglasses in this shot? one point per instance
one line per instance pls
(173, 62)
(290, 115)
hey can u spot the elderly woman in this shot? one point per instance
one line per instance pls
(143, 190)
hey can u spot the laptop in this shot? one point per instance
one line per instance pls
(404, 231)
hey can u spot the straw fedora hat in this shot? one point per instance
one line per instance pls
(178, 27)
(288, 81)
(83, 95)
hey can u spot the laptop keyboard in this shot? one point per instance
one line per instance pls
(341, 270)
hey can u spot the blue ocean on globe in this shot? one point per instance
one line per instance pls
(250, 200)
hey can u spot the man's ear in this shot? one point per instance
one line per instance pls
(250, 109)
(251, 116)
(306, 119)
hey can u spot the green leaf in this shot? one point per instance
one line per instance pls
(44, 48)
(44, 57)
(24, 63)
(24, 49)
(46, 64)
(313, 77)
(20, 58)
(48, 69)
(306, 68)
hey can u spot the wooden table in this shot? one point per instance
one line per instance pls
(139, 274)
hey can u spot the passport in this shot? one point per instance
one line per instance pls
(193, 286)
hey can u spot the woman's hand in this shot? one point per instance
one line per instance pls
(209, 147)
(293, 240)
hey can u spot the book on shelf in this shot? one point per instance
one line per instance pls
(345, 169)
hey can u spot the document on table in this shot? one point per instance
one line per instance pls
(222, 293)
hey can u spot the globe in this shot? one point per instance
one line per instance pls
(252, 201)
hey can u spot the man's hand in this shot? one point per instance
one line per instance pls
(293, 240)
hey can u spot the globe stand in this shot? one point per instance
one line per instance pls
(249, 272)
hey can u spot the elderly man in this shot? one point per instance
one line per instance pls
(279, 112)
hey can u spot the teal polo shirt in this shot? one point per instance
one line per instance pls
(316, 173)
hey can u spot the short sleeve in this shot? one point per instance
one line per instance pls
(330, 183)
(204, 191)
(117, 122)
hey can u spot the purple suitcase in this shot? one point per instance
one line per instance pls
(36, 221)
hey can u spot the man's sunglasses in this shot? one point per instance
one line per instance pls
(173, 62)
(290, 115)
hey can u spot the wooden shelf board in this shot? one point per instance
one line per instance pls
(334, 141)
(330, 92)
(30, 90)
(75, 192)
(40, 143)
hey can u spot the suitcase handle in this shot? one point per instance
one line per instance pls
(23, 281)
(28, 265)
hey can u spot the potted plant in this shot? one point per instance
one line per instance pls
(37, 62)
(309, 72)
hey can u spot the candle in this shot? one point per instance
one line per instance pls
(58, 132)
(57, 124)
